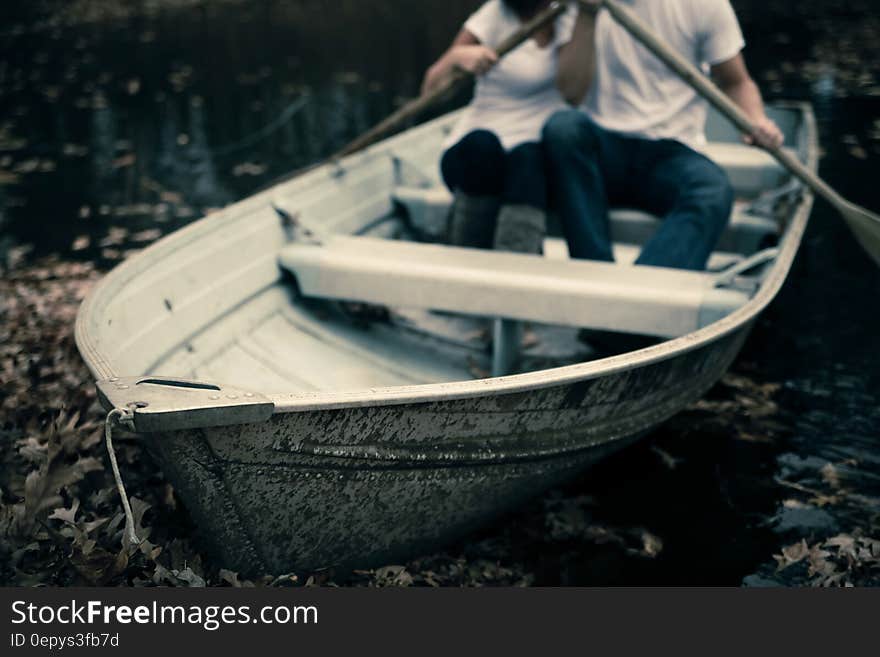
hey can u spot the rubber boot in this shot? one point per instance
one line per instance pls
(520, 228)
(472, 220)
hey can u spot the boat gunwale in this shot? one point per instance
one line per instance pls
(772, 283)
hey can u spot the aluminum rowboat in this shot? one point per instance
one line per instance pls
(299, 437)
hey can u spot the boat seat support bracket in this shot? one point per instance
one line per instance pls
(768, 204)
(165, 404)
(729, 277)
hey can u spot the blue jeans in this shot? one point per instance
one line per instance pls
(591, 169)
(478, 165)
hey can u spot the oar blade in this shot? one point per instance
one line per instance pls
(865, 226)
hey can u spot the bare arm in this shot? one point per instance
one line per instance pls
(733, 78)
(466, 53)
(577, 59)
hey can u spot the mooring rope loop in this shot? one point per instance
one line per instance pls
(123, 417)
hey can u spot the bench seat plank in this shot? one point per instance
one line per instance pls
(644, 300)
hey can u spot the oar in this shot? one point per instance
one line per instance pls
(864, 223)
(454, 83)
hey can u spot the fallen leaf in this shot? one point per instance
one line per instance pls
(66, 515)
(80, 243)
(42, 487)
(792, 554)
(652, 546)
(124, 161)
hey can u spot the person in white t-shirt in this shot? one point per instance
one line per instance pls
(636, 138)
(493, 157)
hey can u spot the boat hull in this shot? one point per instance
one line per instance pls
(354, 472)
(363, 486)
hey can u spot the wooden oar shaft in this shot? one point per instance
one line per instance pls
(415, 107)
(717, 98)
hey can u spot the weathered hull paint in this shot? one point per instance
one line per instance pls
(367, 485)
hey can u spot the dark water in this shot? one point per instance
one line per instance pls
(121, 124)
(115, 127)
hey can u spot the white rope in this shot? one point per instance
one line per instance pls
(120, 416)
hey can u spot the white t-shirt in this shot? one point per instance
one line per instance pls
(516, 97)
(636, 93)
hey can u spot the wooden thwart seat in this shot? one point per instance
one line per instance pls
(641, 300)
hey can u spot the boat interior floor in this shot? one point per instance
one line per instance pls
(283, 344)
(285, 339)
(300, 315)
(278, 341)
